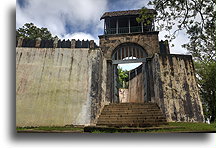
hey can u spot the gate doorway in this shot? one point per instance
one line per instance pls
(128, 53)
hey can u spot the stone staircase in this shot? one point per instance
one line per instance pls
(131, 115)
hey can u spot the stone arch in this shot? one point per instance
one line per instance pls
(118, 43)
(128, 49)
(136, 54)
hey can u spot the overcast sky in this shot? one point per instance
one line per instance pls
(78, 19)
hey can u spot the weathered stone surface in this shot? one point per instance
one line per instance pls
(73, 43)
(123, 95)
(60, 86)
(131, 114)
(176, 89)
(149, 41)
(20, 42)
(37, 43)
(56, 86)
(91, 44)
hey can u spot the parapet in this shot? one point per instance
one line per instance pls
(164, 47)
(56, 43)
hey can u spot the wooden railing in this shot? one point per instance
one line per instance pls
(124, 30)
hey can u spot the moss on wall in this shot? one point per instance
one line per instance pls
(53, 85)
(176, 88)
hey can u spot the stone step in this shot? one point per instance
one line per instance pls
(131, 121)
(132, 124)
(131, 114)
(130, 110)
(130, 105)
(122, 104)
(132, 118)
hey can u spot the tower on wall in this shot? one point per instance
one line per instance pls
(168, 79)
(125, 37)
(122, 27)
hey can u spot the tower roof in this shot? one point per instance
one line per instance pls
(125, 13)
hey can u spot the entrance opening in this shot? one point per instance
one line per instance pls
(129, 73)
(130, 82)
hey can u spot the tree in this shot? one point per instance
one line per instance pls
(30, 31)
(196, 17)
(123, 77)
(206, 71)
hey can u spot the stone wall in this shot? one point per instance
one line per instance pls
(57, 86)
(149, 41)
(175, 88)
(123, 95)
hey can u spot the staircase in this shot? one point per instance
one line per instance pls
(131, 115)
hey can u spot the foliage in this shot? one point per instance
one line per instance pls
(206, 71)
(145, 17)
(123, 77)
(197, 17)
(30, 31)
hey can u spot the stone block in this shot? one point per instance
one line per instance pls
(38, 42)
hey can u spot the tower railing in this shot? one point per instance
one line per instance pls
(125, 30)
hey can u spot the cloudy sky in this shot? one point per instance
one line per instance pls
(78, 19)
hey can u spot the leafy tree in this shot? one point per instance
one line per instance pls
(30, 31)
(206, 71)
(145, 17)
(197, 17)
(123, 77)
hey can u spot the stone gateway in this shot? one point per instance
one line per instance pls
(76, 82)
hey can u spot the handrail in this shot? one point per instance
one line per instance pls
(124, 30)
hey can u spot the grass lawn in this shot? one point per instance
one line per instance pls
(50, 129)
(188, 127)
(171, 127)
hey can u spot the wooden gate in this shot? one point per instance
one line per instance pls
(128, 53)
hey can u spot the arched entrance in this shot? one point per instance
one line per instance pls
(129, 53)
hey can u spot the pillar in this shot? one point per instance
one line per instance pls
(91, 44)
(73, 43)
(20, 41)
(117, 26)
(129, 25)
(37, 42)
(55, 43)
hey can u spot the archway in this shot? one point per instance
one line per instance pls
(130, 53)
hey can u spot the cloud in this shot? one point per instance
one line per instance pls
(181, 38)
(127, 4)
(63, 16)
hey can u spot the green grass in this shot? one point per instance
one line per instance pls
(171, 127)
(194, 126)
(181, 127)
(187, 127)
(50, 128)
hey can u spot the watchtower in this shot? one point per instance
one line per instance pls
(121, 27)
